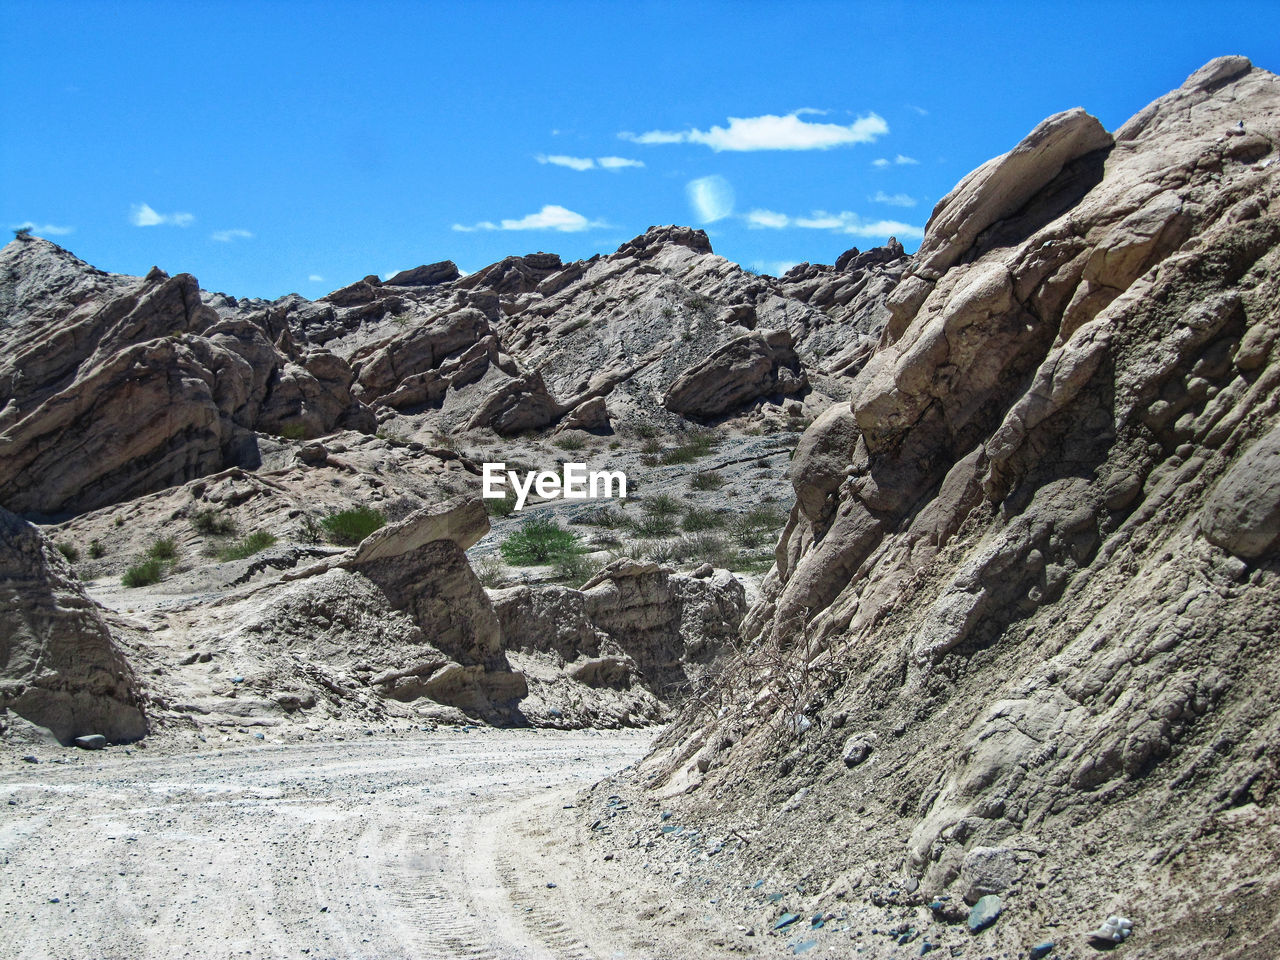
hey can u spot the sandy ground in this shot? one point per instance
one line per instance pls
(441, 844)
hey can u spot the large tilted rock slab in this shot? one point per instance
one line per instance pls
(759, 364)
(59, 666)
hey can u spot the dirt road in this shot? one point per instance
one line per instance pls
(369, 847)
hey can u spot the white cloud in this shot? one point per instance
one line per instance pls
(573, 163)
(893, 199)
(772, 132)
(315, 278)
(774, 268)
(142, 215)
(920, 110)
(550, 217)
(711, 198)
(618, 163)
(226, 236)
(844, 222)
(587, 163)
(900, 160)
(44, 229)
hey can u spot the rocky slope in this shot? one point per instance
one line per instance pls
(1019, 639)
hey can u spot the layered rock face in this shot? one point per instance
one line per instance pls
(1027, 597)
(152, 382)
(59, 666)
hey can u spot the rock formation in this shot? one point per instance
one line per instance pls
(1021, 624)
(59, 666)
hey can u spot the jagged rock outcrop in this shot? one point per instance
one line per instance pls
(1041, 598)
(59, 665)
(635, 632)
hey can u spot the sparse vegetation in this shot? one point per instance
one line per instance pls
(212, 523)
(645, 431)
(569, 441)
(538, 541)
(696, 444)
(490, 570)
(653, 526)
(96, 550)
(651, 445)
(69, 550)
(312, 530)
(503, 507)
(606, 517)
(248, 546)
(702, 518)
(293, 431)
(661, 505)
(573, 568)
(144, 573)
(349, 527)
(707, 480)
(756, 527)
(164, 549)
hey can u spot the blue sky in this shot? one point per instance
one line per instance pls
(278, 147)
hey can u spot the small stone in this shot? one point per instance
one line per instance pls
(259, 736)
(912, 885)
(92, 741)
(237, 679)
(30, 759)
(1041, 950)
(804, 946)
(1113, 930)
(786, 920)
(551, 886)
(985, 912)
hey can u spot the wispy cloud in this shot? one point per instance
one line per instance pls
(43, 229)
(226, 236)
(141, 215)
(315, 278)
(772, 132)
(899, 160)
(920, 110)
(588, 163)
(893, 199)
(843, 222)
(711, 198)
(774, 268)
(550, 217)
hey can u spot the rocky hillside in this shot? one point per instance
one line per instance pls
(663, 331)
(1020, 637)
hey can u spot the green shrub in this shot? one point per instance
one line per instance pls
(349, 527)
(69, 550)
(293, 431)
(144, 573)
(569, 441)
(694, 445)
(248, 546)
(503, 507)
(573, 568)
(703, 547)
(606, 517)
(163, 549)
(312, 530)
(653, 526)
(651, 445)
(661, 505)
(707, 480)
(212, 523)
(538, 541)
(96, 550)
(699, 518)
(645, 431)
(490, 570)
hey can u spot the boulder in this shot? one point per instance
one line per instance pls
(759, 364)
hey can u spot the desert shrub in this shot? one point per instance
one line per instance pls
(538, 541)
(606, 539)
(503, 507)
(490, 570)
(661, 505)
(605, 517)
(651, 445)
(700, 518)
(96, 550)
(745, 533)
(247, 546)
(703, 547)
(69, 550)
(653, 526)
(312, 530)
(707, 480)
(212, 523)
(118, 522)
(645, 431)
(660, 551)
(293, 431)
(569, 441)
(164, 549)
(573, 568)
(144, 573)
(695, 444)
(349, 527)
